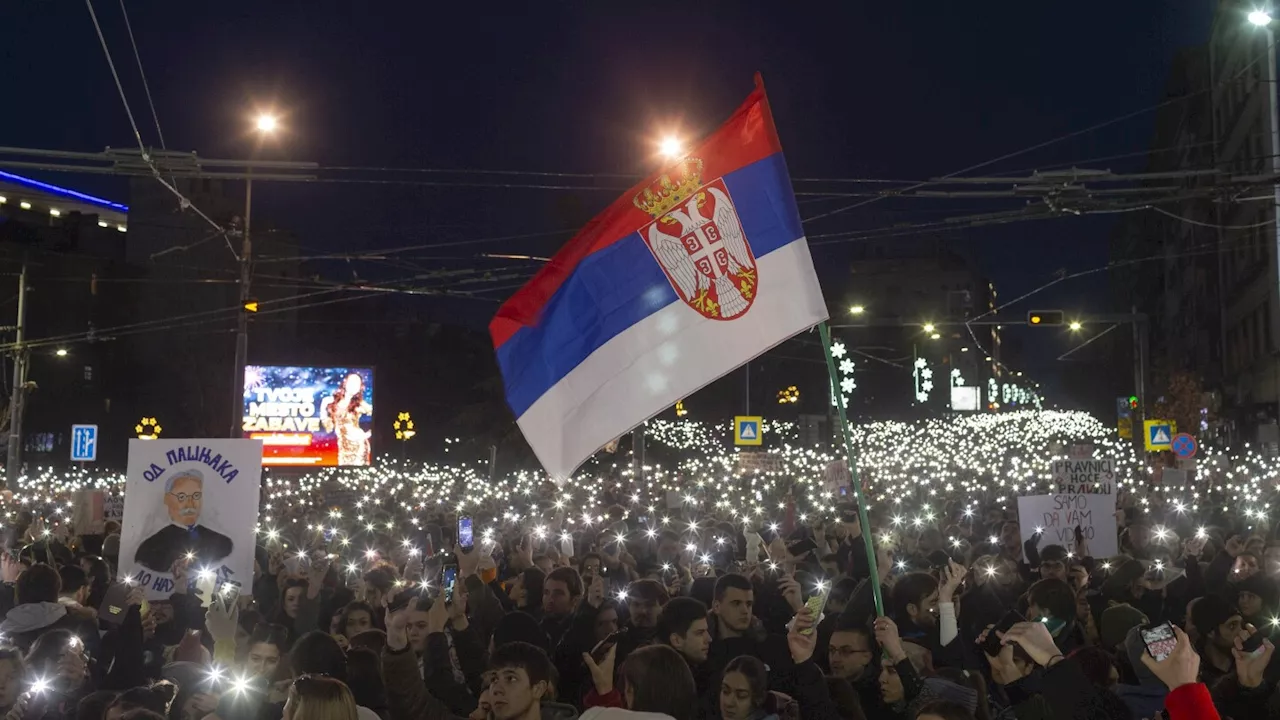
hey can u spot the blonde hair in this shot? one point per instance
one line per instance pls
(314, 697)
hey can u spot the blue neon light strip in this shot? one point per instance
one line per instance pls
(62, 191)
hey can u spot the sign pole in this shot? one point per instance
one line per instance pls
(867, 535)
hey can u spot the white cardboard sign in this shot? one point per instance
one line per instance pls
(190, 496)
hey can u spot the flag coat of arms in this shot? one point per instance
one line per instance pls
(692, 273)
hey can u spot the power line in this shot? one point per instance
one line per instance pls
(147, 88)
(1215, 226)
(1060, 138)
(183, 201)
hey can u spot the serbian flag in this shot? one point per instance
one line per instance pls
(695, 271)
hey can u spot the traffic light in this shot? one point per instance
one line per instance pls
(1045, 317)
(1133, 402)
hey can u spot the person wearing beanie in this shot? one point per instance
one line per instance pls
(1116, 622)
(1218, 623)
(1257, 597)
(1146, 698)
(518, 627)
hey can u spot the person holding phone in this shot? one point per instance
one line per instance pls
(1053, 603)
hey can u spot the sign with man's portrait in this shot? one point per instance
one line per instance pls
(193, 500)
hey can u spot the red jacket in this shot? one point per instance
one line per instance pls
(1190, 702)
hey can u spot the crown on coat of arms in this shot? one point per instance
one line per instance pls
(665, 193)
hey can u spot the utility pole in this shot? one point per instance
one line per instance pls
(1139, 380)
(17, 393)
(637, 453)
(242, 319)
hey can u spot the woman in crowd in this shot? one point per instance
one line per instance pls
(314, 697)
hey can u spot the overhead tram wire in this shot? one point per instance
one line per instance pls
(184, 201)
(228, 313)
(1092, 128)
(142, 73)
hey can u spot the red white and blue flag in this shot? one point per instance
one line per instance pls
(692, 273)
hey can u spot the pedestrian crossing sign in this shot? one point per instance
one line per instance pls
(747, 430)
(1159, 434)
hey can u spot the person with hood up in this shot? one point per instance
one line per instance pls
(38, 610)
(1257, 598)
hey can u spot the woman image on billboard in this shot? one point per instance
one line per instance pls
(341, 413)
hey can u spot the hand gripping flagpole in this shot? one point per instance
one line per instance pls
(867, 534)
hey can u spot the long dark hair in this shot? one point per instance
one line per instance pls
(341, 393)
(661, 682)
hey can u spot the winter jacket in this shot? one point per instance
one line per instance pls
(26, 622)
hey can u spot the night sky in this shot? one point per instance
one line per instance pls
(889, 90)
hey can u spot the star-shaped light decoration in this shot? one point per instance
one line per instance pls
(837, 349)
(846, 366)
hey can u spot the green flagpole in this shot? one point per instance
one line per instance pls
(867, 535)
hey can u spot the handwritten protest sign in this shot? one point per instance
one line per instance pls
(1084, 496)
(190, 498)
(1084, 476)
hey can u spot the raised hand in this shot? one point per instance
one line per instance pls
(315, 576)
(790, 589)
(458, 609)
(602, 672)
(397, 625)
(1034, 638)
(595, 591)
(438, 616)
(1182, 667)
(468, 562)
(952, 575)
(1235, 545)
(1250, 665)
(886, 631)
(179, 570)
(800, 643)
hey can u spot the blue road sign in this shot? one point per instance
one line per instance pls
(84, 443)
(1185, 446)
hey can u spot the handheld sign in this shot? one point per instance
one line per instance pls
(192, 499)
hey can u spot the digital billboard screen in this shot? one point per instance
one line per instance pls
(309, 416)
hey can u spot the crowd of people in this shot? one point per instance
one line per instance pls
(692, 615)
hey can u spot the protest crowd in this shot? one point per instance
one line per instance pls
(683, 609)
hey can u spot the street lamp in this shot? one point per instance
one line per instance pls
(928, 327)
(1261, 18)
(1075, 325)
(265, 124)
(671, 147)
(857, 310)
(61, 352)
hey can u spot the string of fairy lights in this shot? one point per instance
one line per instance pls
(913, 470)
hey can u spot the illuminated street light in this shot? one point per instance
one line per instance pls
(934, 336)
(1261, 18)
(928, 327)
(671, 147)
(61, 352)
(1075, 325)
(857, 310)
(267, 123)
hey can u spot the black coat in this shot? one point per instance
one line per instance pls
(161, 550)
